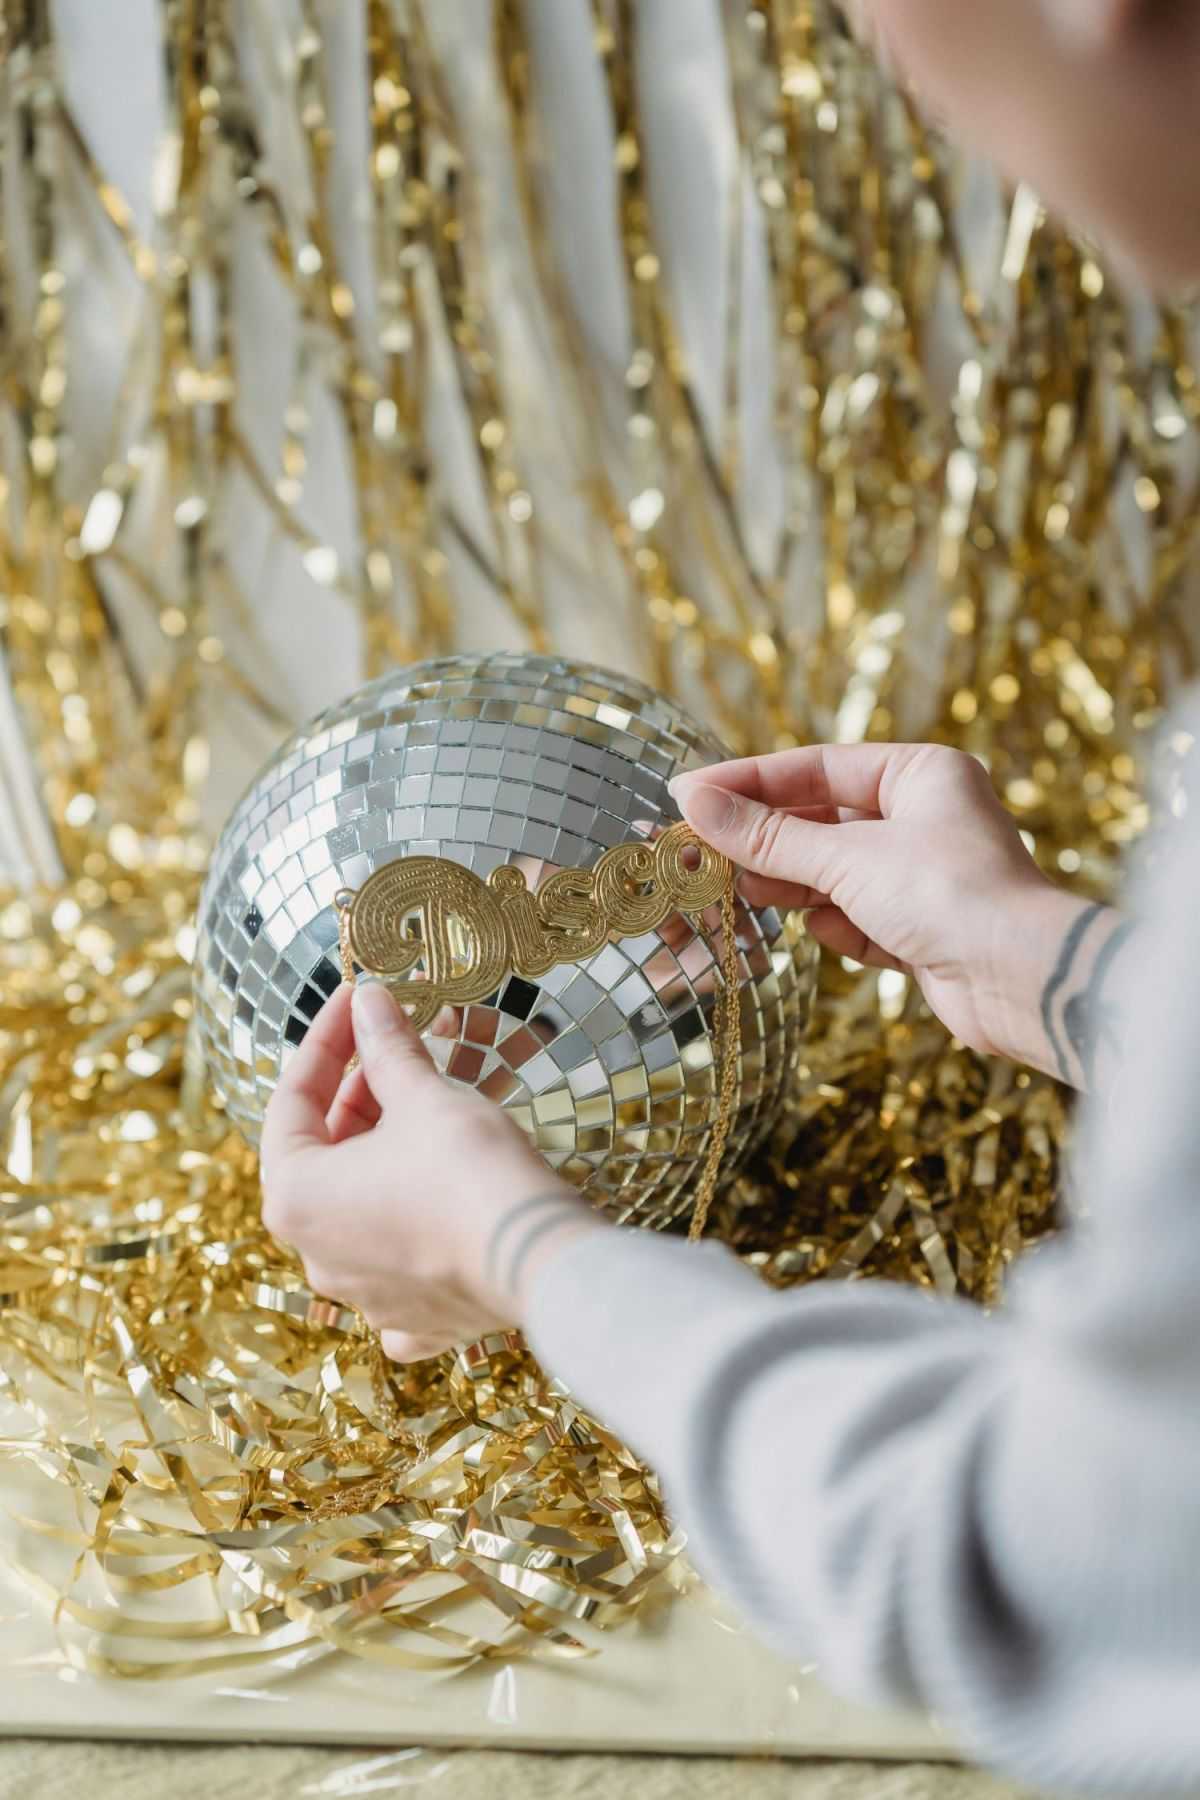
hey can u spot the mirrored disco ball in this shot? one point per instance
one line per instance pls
(609, 1064)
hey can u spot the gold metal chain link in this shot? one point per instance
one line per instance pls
(728, 1033)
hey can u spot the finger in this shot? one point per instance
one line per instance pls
(299, 1107)
(676, 931)
(395, 1061)
(785, 896)
(354, 1110)
(519, 1047)
(829, 815)
(830, 926)
(408, 1347)
(768, 841)
(447, 1023)
(813, 775)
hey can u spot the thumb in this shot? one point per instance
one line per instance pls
(761, 838)
(394, 1060)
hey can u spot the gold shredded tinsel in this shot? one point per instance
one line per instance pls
(248, 1481)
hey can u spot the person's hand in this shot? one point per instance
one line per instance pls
(903, 858)
(408, 1196)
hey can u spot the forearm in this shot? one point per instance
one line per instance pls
(1053, 995)
(746, 1402)
(932, 1505)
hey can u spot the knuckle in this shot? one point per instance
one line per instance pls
(935, 773)
(387, 1054)
(763, 838)
(400, 1062)
(954, 768)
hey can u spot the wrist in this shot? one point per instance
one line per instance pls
(528, 1235)
(550, 1251)
(1035, 938)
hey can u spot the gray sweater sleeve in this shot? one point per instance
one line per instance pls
(993, 1517)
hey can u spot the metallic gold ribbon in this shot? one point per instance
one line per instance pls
(155, 1357)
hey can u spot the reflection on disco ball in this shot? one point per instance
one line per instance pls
(608, 1064)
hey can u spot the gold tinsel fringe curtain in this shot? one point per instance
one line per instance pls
(332, 335)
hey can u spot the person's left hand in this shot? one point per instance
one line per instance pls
(409, 1197)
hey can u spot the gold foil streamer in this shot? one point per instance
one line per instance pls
(213, 1424)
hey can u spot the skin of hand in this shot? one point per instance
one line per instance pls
(409, 1197)
(1094, 102)
(903, 858)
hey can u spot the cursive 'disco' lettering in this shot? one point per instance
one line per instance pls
(444, 936)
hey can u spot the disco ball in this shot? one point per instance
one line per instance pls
(608, 1064)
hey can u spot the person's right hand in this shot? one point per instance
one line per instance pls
(903, 858)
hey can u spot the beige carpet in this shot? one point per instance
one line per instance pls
(34, 1769)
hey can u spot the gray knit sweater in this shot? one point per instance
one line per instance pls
(993, 1517)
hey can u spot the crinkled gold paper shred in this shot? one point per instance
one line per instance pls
(985, 534)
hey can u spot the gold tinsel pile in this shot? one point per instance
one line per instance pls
(227, 1442)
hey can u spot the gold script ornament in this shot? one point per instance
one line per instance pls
(442, 936)
(428, 917)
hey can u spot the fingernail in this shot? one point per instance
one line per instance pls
(374, 1009)
(709, 810)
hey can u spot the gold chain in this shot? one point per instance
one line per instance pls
(727, 1030)
(341, 905)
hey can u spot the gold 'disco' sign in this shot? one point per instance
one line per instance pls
(467, 934)
(464, 935)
